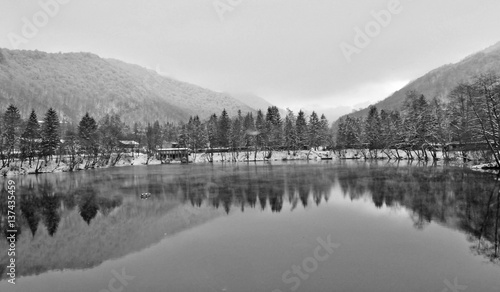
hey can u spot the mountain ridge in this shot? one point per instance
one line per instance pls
(75, 83)
(440, 81)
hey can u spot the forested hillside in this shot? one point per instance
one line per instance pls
(75, 83)
(440, 82)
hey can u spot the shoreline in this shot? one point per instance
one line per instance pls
(259, 156)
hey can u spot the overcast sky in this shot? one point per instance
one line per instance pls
(294, 53)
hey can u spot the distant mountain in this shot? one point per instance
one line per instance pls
(251, 100)
(74, 83)
(331, 113)
(439, 82)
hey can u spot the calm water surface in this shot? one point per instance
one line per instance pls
(337, 226)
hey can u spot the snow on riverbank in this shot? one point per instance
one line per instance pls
(140, 159)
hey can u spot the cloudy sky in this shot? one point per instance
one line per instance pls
(294, 53)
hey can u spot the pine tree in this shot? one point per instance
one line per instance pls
(314, 131)
(341, 134)
(260, 126)
(353, 132)
(385, 130)
(213, 131)
(87, 134)
(237, 133)
(325, 136)
(249, 130)
(50, 133)
(198, 134)
(290, 131)
(224, 129)
(274, 127)
(30, 139)
(302, 131)
(397, 136)
(11, 131)
(373, 130)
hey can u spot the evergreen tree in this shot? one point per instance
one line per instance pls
(385, 130)
(249, 129)
(290, 131)
(260, 125)
(11, 131)
(325, 135)
(237, 133)
(50, 133)
(224, 129)
(397, 135)
(314, 131)
(213, 131)
(198, 134)
(274, 127)
(353, 132)
(341, 139)
(373, 130)
(30, 139)
(88, 135)
(301, 130)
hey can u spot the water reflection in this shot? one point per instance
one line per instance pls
(265, 187)
(44, 203)
(455, 198)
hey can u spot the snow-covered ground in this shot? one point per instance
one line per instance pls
(140, 159)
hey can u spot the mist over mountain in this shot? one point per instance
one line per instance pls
(75, 83)
(251, 100)
(439, 82)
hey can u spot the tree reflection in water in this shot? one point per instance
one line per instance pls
(453, 197)
(43, 203)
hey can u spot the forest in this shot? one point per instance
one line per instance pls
(468, 120)
(98, 142)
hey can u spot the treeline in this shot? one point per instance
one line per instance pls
(98, 142)
(265, 132)
(468, 121)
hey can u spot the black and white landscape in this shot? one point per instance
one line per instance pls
(234, 145)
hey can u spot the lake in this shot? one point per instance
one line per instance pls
(317, 226)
